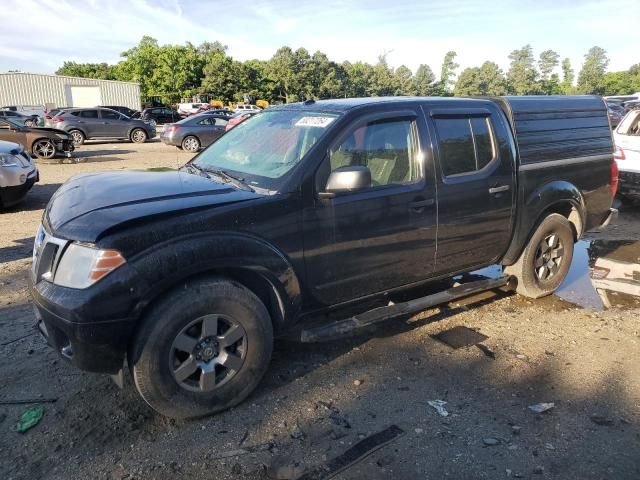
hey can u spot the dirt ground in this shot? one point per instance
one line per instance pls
(319, 401)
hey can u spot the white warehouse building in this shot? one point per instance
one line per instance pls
(53, 91)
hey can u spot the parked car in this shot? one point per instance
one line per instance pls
(27, 110)
(16, 117)
(17, 173)
(615, 112)
(48, 117)
(238, 118)
(195, 132)
(216, 111)
(631, 105)
(41, 142)
(160, 115)
(244, 107)
(186, 109)
(126, 111)
(627, 140)
(310, 207)
(88, 123)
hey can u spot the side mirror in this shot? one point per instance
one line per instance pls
(347, 179)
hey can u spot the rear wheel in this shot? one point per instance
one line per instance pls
(545, 261)
(191, 144)
(77, 136)
(202, 349)
(29, 123)
(44, 148)
(138, 135)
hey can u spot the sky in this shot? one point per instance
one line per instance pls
(39, 35)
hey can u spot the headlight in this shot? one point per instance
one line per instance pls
(8, 160)
(81, 266)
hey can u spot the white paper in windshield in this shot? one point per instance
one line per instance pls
(321, 122)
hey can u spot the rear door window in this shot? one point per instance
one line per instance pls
(109, 115)
(465, 144)
(86, 114)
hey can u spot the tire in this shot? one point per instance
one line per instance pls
(160, 360)
(44, 148)
(29, 123)
(545, 261)
(77, 136)
(190, 144)
(138, 135)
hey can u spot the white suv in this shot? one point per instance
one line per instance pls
(627, 140)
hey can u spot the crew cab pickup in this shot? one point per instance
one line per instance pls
(187, 276)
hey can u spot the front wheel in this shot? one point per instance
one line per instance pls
(202, 349)
(138, 135)
(545, 261)
(44, 148)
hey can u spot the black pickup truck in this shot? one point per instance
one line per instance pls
(187, 276)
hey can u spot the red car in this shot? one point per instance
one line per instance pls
(237, 119)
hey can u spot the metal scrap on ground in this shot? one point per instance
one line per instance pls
(458, 337)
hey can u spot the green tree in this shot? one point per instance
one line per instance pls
(487, 79)
(358, 78)
(616, 83)
(422, 83)
(522, 74)
(139, 64)
(101, 71)
(593, 70)
(403, 80)
(220, 75)
(177, 73)
(549, 81)
(383, 82)
(566, 87)
(448, 72)
(281, 71)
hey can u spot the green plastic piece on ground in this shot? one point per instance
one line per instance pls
(29, 419)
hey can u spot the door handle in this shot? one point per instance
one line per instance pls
(501, 188)
(418, 205)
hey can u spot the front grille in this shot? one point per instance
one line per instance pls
(46, 255)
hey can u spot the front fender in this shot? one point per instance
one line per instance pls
(166, 265)
(554, 196)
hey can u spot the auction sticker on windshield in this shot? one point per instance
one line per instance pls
(321, 122)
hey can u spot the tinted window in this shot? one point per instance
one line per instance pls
(385, 147)
(86, 114)
(207, 121)
(108, 115)
(483, 139)
(11, 114)
(465, 144)
(455, 145)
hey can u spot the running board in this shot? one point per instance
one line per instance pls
(340, 327)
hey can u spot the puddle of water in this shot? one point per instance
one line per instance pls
(603, 274)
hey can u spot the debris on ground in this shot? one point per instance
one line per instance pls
(339, 420)
(23, 401)
(438, 405)
(297, 433)
(599, 419)
(29, 418)
(357, 383)
(458, 337)
(541, 407)
(355, 454)
(284, 468)
(491, 442)
(486, 350)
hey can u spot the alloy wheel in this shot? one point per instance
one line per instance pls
(208, 352)
(548, 257)
(44, 149)
(139, 136)
(191, 144)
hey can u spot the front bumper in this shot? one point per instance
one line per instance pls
(92, 327)
(13, 194)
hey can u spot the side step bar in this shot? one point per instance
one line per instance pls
(337, 328)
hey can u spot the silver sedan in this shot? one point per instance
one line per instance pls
(195, 132)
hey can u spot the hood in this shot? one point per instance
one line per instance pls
(52, 130)
(88, 205)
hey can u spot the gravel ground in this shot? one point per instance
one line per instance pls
(318, 401)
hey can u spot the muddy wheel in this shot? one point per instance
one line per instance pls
(77, 136)
(138, 135)
(202, 349)
(546, 259)
(44, 148)
(191, 144)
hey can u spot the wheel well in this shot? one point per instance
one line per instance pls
(570, 212)
(256, 283)
(37, 140)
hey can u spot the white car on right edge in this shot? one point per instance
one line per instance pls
(627, 141)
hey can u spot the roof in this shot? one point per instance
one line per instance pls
(345, 104)
(65, 76)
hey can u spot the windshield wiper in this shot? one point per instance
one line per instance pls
(192, 167)
(228, 178)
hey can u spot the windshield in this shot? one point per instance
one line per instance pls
(264, 148)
